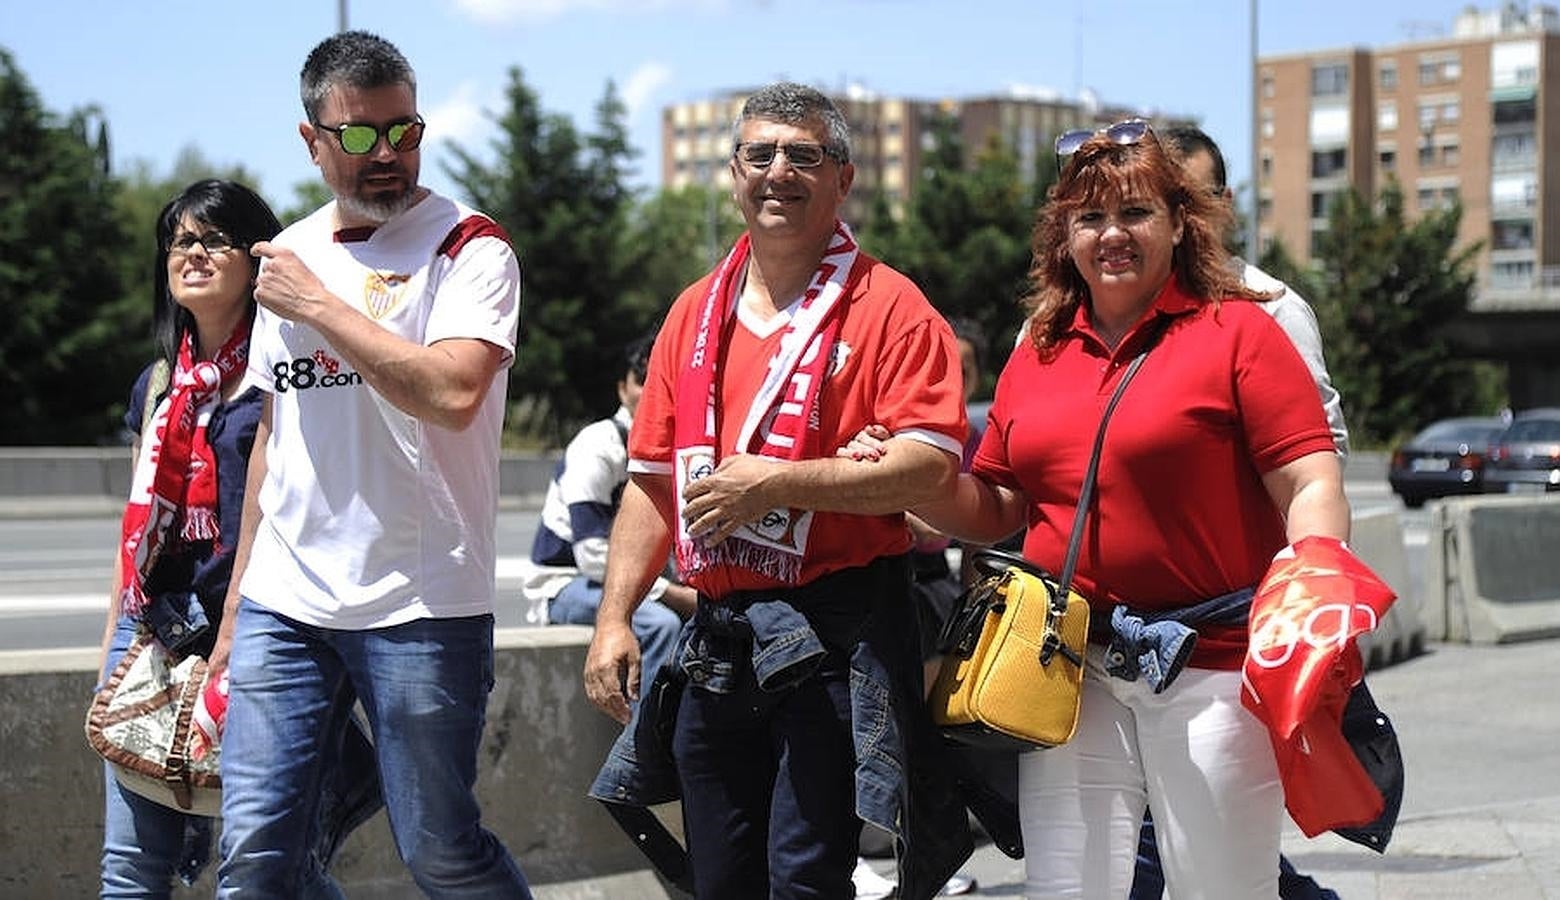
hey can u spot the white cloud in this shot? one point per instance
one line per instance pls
(643, 83)
(503, 12)
(458, 117)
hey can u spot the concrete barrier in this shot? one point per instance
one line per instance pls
(1493, 569)
(73, 476)
(542, 746)
(1377, 538)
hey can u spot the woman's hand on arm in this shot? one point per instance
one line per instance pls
(972, 510)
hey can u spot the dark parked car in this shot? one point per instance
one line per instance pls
(1526, 456)
(1446, 458)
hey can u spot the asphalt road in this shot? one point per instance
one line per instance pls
(55, 576)
(55, 572)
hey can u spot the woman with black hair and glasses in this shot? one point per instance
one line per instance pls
(194, 422)
(1217, 455)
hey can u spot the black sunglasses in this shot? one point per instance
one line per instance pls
(213, 242)
(1125, 132)
(800, 154)
(358, 139)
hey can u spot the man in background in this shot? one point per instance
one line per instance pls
(562, 580)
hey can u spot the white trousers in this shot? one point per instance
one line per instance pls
(1192, 754)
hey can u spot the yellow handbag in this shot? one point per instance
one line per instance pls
(1012, 673)
(1014, 664)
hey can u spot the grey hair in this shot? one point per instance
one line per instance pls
(354, 59)
(796, 104)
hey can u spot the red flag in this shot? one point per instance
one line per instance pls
(1301, 662)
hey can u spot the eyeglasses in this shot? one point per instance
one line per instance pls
(358, 139)
(801, 154)
(1127, 131)
(213, 242)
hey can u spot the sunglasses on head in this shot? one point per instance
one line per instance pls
(800, 154)
(1127, 131)
(358, 139)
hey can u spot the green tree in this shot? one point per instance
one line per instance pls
(674, 237)
(965, 235)
(308, 196)
(1385, 291)
(65, 357)
(563, 202)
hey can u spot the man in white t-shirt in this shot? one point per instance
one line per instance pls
(1201, 158)
(365, 564)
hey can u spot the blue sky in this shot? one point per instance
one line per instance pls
(223, 77)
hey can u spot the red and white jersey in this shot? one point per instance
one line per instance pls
(372, 517)
(895, 363)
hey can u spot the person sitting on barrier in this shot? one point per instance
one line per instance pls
(203, 307)
(561, 581)
(1218, 455)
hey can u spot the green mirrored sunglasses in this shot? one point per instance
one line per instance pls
(357, 138)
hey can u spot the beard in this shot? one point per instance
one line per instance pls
(377, 204)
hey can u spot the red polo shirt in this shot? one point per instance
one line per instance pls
(1180, 512)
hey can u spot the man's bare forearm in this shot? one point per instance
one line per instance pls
(914, 473)
(443, 383)
(639, 545)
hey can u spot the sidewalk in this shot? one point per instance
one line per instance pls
(1480, 730)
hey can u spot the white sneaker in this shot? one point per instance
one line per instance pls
(869, 884)
(958, 886)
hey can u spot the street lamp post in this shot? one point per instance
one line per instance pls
(1254, 226)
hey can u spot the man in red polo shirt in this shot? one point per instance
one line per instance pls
(795, 342)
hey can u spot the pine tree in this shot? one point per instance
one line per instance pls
(66, 357)
(564, 203)
(1385, 292)
(965, 236)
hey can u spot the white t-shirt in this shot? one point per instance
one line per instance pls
(370, 516)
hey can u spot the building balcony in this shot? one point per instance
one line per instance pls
(1514, 163)
(1538, 288)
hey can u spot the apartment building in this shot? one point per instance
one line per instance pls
(889, 135)
(1471, 117)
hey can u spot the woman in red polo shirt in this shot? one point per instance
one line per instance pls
(1216, 457)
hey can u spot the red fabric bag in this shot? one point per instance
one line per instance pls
(1301, 663)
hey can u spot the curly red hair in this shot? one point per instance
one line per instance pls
(1103, 169)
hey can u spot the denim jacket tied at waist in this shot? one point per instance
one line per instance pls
(774, 640)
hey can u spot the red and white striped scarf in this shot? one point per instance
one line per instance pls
(782, 421)
(176, 472)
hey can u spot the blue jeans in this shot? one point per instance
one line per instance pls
(768, 786)
(424, 686)
(147, 845)
(654, 623)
